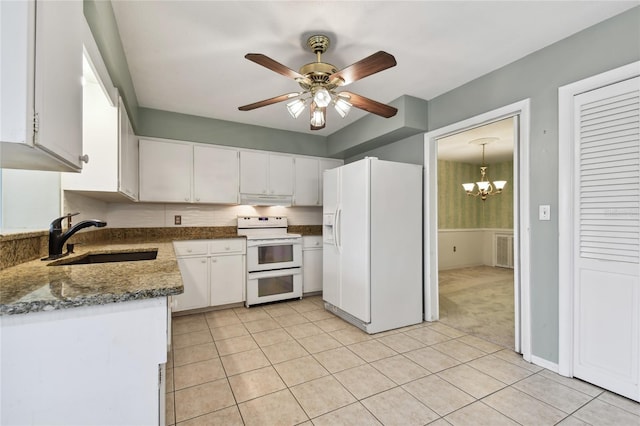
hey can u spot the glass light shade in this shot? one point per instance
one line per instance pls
(499, 184)
(322, 98)
(342, 107)
(317, 119)
(295, 108)
(483, 186)
(468, 186)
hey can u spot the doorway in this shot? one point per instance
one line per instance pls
(475, 231)
(518, 111)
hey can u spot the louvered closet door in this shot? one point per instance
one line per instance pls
(607, 257)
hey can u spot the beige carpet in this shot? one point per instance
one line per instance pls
(479, 301)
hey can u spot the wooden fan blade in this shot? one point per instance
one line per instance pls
(276, 66)
(313, 108)
(377, 62)
(370, 105)
(269, 101)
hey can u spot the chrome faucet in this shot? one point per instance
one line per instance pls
(57, 238)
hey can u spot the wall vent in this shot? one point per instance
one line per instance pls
(503, 253)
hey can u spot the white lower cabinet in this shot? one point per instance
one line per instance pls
(195, 273)
(311, 264)
(88, 365)
(213, 273)
(227, 279)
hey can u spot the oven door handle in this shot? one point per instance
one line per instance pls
(273, 273)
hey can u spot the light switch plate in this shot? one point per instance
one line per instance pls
(544, 212)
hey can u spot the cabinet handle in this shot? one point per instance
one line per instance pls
(189, 250)
(84, 158)
(186, 199)
(197, 199)
(203, 261)
(227, 248)
(213, 260)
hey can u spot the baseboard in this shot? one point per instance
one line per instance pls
(545, 364)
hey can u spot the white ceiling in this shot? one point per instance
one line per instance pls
(188, 56)
(462, 148)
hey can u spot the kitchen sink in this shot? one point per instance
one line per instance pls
(122, 256)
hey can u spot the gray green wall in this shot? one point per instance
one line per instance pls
(408, 150)
(102, 21)
(457, 210)
(171, 125)
(538, 76)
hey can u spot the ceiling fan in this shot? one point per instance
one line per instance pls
(319, 81)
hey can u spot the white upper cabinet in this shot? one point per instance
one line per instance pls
(108, 139)
(165, 171)
(280, 174)
(41, 93)
(183, 172)
(128, 155)
(267, 174)
(215, 175)
(307, 186)
(326, 164)
(254, 172)
(308, 179)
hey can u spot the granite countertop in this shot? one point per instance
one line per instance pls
(35, 286)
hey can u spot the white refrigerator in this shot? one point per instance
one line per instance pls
(372, 244)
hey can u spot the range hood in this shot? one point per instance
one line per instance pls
(266, 200)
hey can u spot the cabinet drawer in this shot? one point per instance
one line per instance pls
(235, 245)
(311, 241)
(189, 248)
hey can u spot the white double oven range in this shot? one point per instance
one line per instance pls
(274, 259)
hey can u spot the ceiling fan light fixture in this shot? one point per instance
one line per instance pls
(317, 118)
(342, 106)
(318, 81)
(296, 107)
(322, 97)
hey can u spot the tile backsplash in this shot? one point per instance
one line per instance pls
(152, 215)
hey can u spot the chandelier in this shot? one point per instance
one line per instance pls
(485, 187)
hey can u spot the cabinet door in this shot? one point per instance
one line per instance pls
(228, 276)
(215, 175)
(280, 174)
(194, 271)
(307, 187)
(58, 75)
(254, 168)
(128, 151)
(311, 270)
(326, 164)
(100, 141)
(165, 171)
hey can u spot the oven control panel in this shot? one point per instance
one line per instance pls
(245, 222)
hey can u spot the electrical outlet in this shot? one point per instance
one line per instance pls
(177, 220)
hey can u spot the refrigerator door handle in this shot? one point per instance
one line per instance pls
(338, 229)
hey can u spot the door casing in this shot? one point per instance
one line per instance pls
(521, 217)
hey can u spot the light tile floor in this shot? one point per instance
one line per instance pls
(295, 363)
